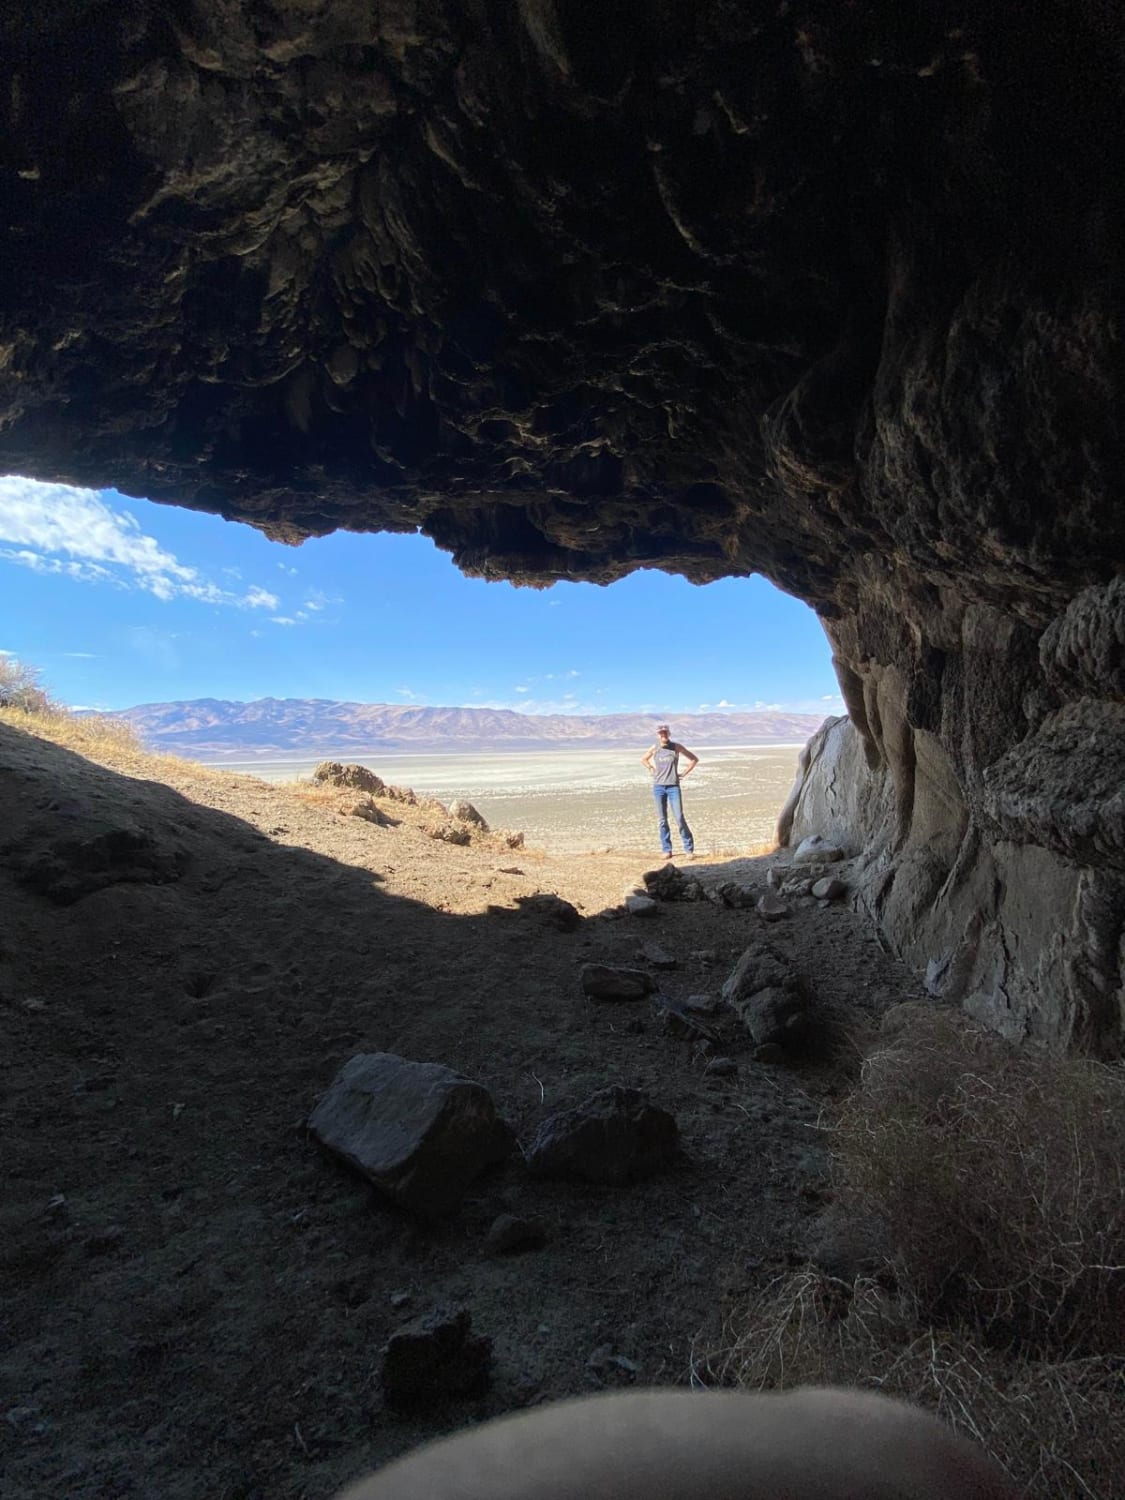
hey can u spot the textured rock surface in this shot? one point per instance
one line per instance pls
(420, 1132)
(828, 292)
(1018, 911)
(614, 1137)
(434, 1358)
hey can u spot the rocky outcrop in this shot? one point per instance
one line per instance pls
(1014, 907)
(825, 292)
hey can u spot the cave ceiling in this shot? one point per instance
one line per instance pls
(825, 290)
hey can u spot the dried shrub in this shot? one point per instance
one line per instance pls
(999, 1175)
(995, 1176)
(1055, 1426)
(20, 687)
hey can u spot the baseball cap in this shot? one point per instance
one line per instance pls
(663, 729)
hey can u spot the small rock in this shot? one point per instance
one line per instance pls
(774, 1015)
(508, 870)
(510, 1233)
(774, 877)
(451, 833)
(816, 850)
(601, 982)
(465, 812)
(641, 906)
(733, 893)
(829, 889)
(705, 956)
(666, 883)
(654, 955)
(720, 1067)
(605, 1359)
(772, 907)
(357, 778)
(703, 1005)
(769, 1052)
(435, 1357)
(552, 910)
(399, 1299)
(615, 1136)
(368, 810)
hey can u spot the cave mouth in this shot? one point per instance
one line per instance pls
(219, 645)
(829, 294)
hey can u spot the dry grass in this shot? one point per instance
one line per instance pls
(997, 1176)
(101, 738)
(1055, 1426)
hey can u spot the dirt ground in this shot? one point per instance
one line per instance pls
(195, 1297)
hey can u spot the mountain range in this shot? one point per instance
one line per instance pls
(218, 729)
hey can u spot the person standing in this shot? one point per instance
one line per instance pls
(663, 761)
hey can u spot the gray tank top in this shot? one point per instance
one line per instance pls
(664, 768)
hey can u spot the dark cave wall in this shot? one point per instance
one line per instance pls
(827, 291)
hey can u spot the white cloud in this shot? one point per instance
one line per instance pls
(68, 532)
(259, 598)
(282, 620)
(82, 655)
(407, 693)
(573, 673)
(285, 568)
(523, 690)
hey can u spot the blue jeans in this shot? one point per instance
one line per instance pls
(669, 797)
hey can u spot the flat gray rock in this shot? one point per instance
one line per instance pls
(509, 1234)
(816, 850)
(641, 906)
(601, 982)
(658, 957)
(418, 1131)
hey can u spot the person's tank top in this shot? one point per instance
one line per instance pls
(664, 772)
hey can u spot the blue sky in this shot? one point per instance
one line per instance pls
(120, 601)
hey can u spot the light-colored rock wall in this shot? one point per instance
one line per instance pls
(1002, 879)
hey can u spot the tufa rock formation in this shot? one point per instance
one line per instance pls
(829, 292)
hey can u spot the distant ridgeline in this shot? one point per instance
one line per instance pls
(306, 726)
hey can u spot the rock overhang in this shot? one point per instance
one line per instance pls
(782, 287)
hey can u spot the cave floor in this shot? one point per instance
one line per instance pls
(195, 1298)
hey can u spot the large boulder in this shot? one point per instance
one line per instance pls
(419, 1131)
